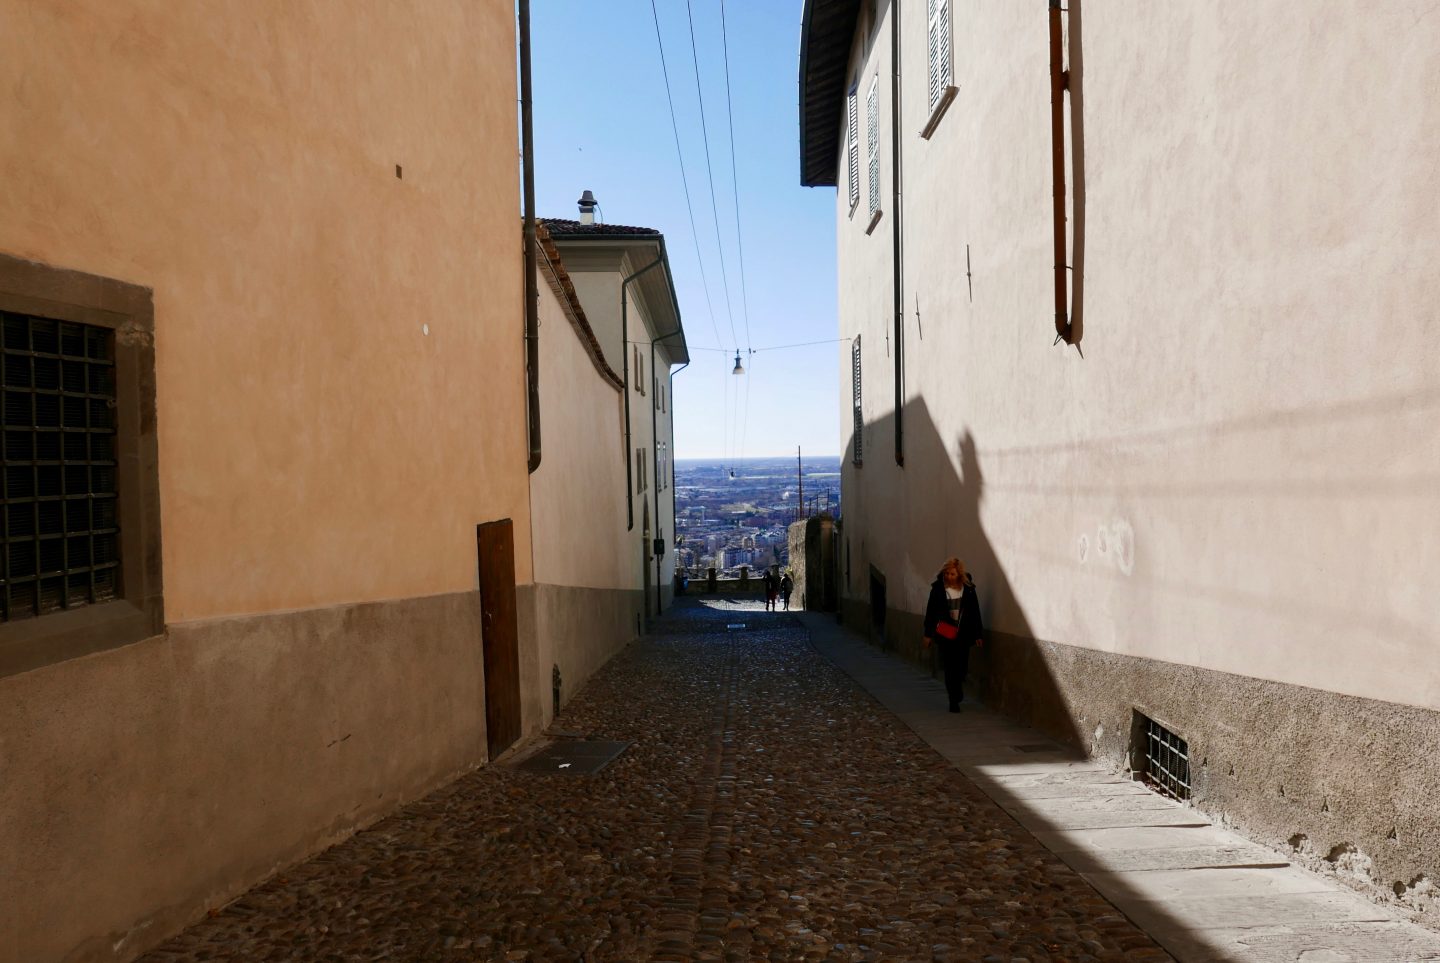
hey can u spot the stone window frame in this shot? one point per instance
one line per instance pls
(28, 287)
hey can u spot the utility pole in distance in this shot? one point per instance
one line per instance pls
(800, 483)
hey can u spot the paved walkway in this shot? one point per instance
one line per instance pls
(1203, 893)
(766, 808)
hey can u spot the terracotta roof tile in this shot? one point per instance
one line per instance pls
(559, 227)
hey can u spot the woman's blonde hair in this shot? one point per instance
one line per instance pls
(953, 563)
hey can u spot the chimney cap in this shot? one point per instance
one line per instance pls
(587, 199)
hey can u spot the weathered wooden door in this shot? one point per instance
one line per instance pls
(499, 634)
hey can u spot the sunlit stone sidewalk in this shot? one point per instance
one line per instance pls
(1204, 893)
(766, 808)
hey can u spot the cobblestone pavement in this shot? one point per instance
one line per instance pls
(768, 809)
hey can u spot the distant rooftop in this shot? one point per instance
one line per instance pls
(560, 227)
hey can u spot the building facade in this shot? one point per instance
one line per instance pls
(263, 378)
(1194, 476)
(621, 275)
(589, 592)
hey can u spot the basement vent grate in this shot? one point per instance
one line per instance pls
(1166, 759)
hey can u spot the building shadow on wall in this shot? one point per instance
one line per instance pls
(936, 503)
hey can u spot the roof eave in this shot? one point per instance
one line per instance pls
(821, 100)
(677, 350)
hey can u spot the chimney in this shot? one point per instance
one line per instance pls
(587, 208)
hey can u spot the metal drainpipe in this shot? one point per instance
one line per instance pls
(1058, 83)
(625, 358)
(532, 288)
(673, 529)
(899, 254)
(655, 460)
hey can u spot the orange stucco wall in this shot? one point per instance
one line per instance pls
(316, 446)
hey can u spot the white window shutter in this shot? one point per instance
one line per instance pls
(852, 149)
(932, 51)
(946, 72)
(872, 141)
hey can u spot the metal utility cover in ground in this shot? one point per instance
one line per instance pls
(573, 757)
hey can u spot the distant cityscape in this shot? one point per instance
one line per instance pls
(734, 515)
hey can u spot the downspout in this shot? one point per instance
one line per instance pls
(1058, 83)
(532, 288)
(655, 458)
(896, 225)
(625, 357)
(674, 536)
(670, 377)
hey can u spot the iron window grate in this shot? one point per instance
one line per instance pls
(1166, 759)
(859, 454)
(60, 515)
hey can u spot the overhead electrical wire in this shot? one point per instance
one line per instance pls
(745, 420)
(684, 181)
(739, 235)
(778, 347)
(710, 173)
(689, 205)
(735, 184)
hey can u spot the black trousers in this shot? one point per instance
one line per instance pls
(956, 657)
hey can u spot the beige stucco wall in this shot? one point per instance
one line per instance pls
(597, 269)
(1225, 514)
(578, 492)
(1239, 473)
(239, 158)
(586, 600)
(323, 460)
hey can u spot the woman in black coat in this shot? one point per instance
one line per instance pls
(952, 618)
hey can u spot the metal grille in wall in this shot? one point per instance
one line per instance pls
(60, 521)
(859, 456)
(1167, 759)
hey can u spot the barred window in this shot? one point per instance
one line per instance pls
(61, 524)
(938, 50)
(79, 484)
(872, 141)
(852, 145)
(858, 431)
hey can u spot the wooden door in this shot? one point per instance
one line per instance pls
(500, 638)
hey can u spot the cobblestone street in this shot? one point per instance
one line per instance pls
(767, 808)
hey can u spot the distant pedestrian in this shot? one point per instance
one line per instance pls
(952, 617)
(771, 584)
(787, 585)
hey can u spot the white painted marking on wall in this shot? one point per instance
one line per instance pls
(1114, 543)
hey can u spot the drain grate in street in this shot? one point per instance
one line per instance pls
(1036, 747)
(573, 757)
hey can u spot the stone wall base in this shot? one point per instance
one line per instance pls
(144, 785)
(576, 630)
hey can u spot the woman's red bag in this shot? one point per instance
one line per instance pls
(947, 630)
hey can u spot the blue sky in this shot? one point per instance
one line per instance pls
(602, 123)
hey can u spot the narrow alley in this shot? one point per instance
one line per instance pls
(766, 807)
